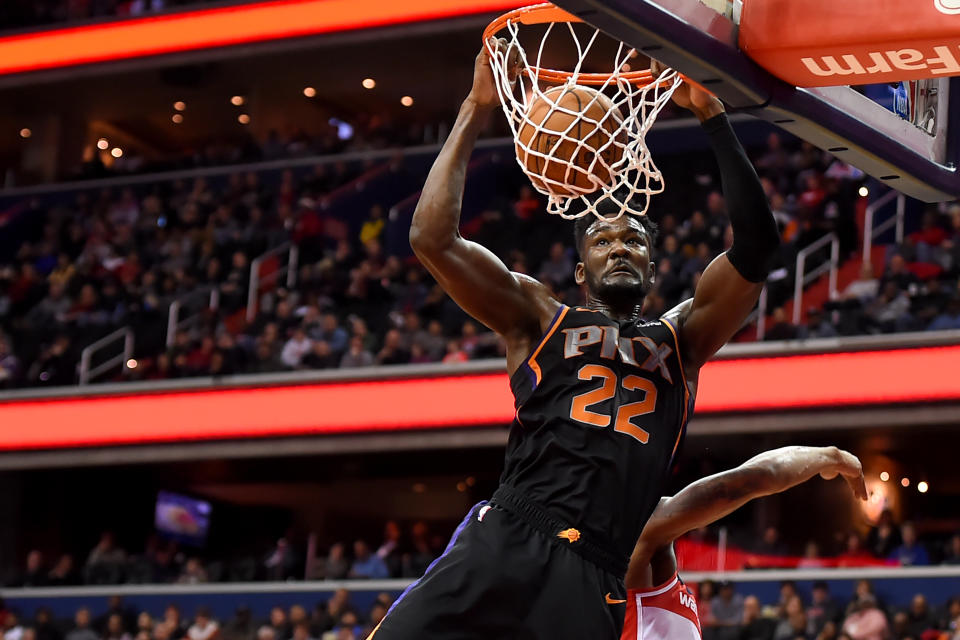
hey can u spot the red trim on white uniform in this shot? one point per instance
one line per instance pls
(667, 612)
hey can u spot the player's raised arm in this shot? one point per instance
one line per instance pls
(711, 498)
(510, 304)
(731, 284)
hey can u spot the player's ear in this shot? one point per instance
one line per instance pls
(578, 275)
(651, 273)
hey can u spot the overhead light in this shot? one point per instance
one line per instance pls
(131, 364)
(369, 83)
(884, 476)
(461, 486)
(406, 101)
(864, 192)
(237, 101)
(419, 487)
(309, 92)
(180, 105)
(471, 481)
(116, 152)
(177, 118)
(923, 487)
(905, 483)
(25, 133)
(103, 144)
(243, 118)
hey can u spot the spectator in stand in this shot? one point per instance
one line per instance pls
(301, 631)
(770, 544)
(885, 537)
(373, 226)
(389, 551)
(204, 627)
(865, 620)
(240, 627)
(781, 328)
(173, 622)
(115, 628)
(890, 312)
(726, 608)
(928, 240)
(279, 624)
(866, 287)
(754, 625)
(854, 555)
(9, 364)
(145, 623)
(267, 632)
(951, 623)
(333, 334)
(817, 326)
(33, 573)
(919, 616)
(952, 553)
(557, 269)
(455, 353)
(63, 574)
(193, 573)
(900, 275)
(12, 629)
(366, 564)
(281, 562)
(910, 553)
(105, 555)
(81, 626)
(357, 355)
(44, 627)
(337, 566)
(811, 556)
(298, 346)
(794, 625)
(823, 609)
(949, 318)
(393, 351)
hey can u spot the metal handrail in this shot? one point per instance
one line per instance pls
(290, 270)
(801, 279)
(870, 232)
(86, 356)
(762, 313)
(174, 322)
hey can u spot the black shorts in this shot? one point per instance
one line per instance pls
(508, 575)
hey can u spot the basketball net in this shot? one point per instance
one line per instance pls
(637, 97)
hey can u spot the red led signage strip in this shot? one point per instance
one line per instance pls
(790, 382)
(206, 28)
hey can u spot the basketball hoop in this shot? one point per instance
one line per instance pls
(620, 168)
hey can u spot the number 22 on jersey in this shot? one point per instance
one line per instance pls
(579, 409)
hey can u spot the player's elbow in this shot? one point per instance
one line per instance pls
(427, 242)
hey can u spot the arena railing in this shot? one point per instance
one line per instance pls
(896, 585)
(175, 323)
(271, 279)
(871, 232)
(87, 372)
(802, 279)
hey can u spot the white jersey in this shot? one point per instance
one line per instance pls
(668, 612)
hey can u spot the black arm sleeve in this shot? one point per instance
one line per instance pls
(755, 235)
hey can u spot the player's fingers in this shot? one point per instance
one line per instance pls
(657, 68)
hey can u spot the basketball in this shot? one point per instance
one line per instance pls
(548, 142)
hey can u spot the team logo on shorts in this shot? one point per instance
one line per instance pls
(570, 535)
(483, 512)
(950, 7)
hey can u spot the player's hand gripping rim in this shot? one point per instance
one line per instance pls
(484, 91)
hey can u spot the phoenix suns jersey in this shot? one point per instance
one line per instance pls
(601, 408)
(665, 613)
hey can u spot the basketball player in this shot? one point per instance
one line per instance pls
(602, 399)
(659, 605)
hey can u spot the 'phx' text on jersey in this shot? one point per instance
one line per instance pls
(601, 409)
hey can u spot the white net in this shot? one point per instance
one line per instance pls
(590, 150)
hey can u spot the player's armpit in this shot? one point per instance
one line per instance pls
(721, 303)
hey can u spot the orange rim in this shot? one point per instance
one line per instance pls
(545, 13)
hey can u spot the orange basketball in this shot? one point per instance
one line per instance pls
(594, 121)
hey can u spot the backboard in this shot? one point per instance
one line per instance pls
(702, 43)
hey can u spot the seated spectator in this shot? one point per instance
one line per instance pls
(366, 564)
(794, 624)
(854, 555)
(281, 563)
(817, 326)
(240, 626)
(865, 620)
(754, 625)
(44, 627)
(81, 626)
(301, 631)
(910, 553)
(393, 351)
(389, 550)
(204, 627)
(295, 349)
(900, 275)
(781, 328)
(454, 353)
(727, 606)
(823, 609)
(145, 622)
(33, 574)
(952, 554)
(193, 573)
(266, 632)
(885, 537)
(866, 287)
(279, 624)
(63, 574)
(337, 565)
(357, 355)
(173, 623)
(12, 629)
(947, 319)
(115, 629)
(890, 312)
(919, 616)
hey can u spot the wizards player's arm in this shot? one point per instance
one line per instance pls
(711, 498)
(514, 305)
(731, 284)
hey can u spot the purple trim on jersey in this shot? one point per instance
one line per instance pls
(453, 540)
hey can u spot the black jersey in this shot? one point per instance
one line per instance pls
(601, 410)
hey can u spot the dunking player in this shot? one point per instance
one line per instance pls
(602, 399)
(659, 605)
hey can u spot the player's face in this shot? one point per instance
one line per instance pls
(616, 264)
